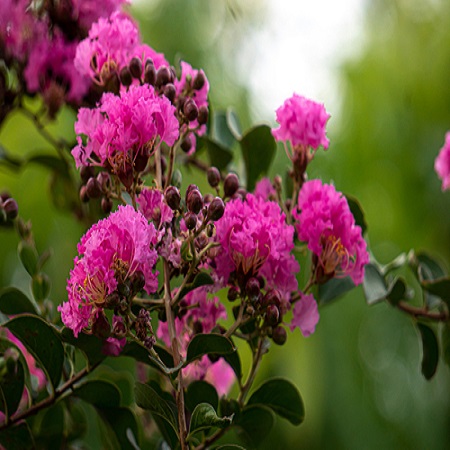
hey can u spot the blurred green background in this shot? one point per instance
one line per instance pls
(359, 374)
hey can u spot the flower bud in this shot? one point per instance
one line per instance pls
(140, 161)
(279, 335)
(199, 81)
(135, 67)
(233, 293)
(172, 197)
(272, 315)
(252, 288)
(11, 208)
(104, 181)
(150, 72)
(86, 172)
(272, 297)
(170, 92)
(149, 342)
(230, 184)
(93, 188)
(106, 205)
(201, 241)
(194, 201)
(186, 143)
(101, 327)
(125, 76)
(213, 176)
(84, 197)
(202, 115)
(112, 300)
(190, 219)
(138, 281)
(216, 209)
(190, 110)
(119, 329)
(4, 196)
(163, 76)
(197, 327)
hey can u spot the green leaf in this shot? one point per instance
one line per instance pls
(398, 291)
(255, 423)
(40, 286)
(202, 344)
(439, 287)
(334, 288)
(100, 393)
(219, 156)
(228, 447)
(282, 397)
(258, 150)
(430, 348)
(234, 361)
(28, 256)
(123, 424)
(18, 437)
(13, 302)
(200, 391)
(51, 428)
(12, 376)
(374, 285)
(205, 417)
(90, 345)
(147, 398)
(233, 124)
(203, 278)
(221, 132)
(48, 161)
(427, 267)
(136, 351)
(446, 342)
(42, 341)
(358, 214)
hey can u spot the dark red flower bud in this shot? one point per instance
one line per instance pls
(11, 208)
(194, 201)
(86, 172)
(84, 197)
(125, 76)
(230, 184)
(216, 209)
(138, 281)
(93, 188)
(272, 297)
(272, 315)
(136, 67)
(279, 335)
(233, 293)
(190, 110)
(252, 288)
(106, 205)
(199, 81)
(186, 143)
(213, 176)
(190, 219)
(202, 115)
(101, 327)
(170, 92)
(150, 72)
(173, 198)
(163, 76)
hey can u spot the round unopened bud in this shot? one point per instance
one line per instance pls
(106, 205)
(172, 197)
(84, 197)
(279, 335)
(138, 281)
(199, 81)
(216, 209)
(125, 76)
(252, 288)
(233, 293)
(201, 241)
(190, 110)
(213, 176)
(163, 76)
(272, 297)
(190, 219)
(104, 180)
(93, 188)
(150, 72)
(194, 201)
(230, 184)
(135, 67)
(112, 300)
(272, 315)
(140, 161)
(149, 342)
(202, 115)
(197, 327)
(186, 143)
(86, 172)
(4, 196)
(101, 327)
(170, 92)
(119, 329)
(11, 208)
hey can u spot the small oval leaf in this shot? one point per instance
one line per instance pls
(200, 391)
(18, 437)
(333, 289)
(255, 423)
(205, 417)
(202, 344)
(430, 348)
(203, 278)
(40, 286)
(374, 285)
(123, 424)
(28, 256)
(13, 301)
(100, 393)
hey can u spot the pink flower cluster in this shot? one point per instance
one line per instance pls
(202, 317)
(121, 126)
(111, 44)
(302, 122)
(89, 11)
(111, 251)
(305, 315)
(255, 240)
(153, 206)
(442, 163)
(326, 224)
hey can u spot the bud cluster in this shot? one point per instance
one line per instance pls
(9, 209)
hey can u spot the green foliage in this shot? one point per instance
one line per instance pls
(203, 344)
(13, 301)
(200, 391)
(205, 417)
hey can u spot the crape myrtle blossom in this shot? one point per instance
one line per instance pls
(255, 240)
(326, 224)
(86, 12)
(110, 46)
(153, 206)
(305, 315)
(123, 127)
(302, 123)
(202, 316)
(111, 252)
(442, 163)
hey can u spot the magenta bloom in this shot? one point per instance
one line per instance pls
(89, 11)
(111, 251)
(203, 318)
(326, 224)
(153, 207)
(305, 315)
(111, 44)
(442, 163)
(302, 122)
(121, 127)
(255, 240)
(265, 190)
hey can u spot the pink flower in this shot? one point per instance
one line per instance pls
(88, 11)
(111, 44)
(255, 240)
(153, 206)
(265, 190)
(305, 315)
(325, 222)
(201, 318)
(442, 163)
(111, 252)
(121, 127)
(302, 122)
